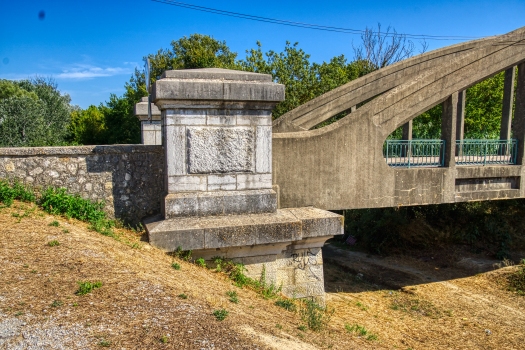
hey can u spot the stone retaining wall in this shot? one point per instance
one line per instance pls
(127, 177)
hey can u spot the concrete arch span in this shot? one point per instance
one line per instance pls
(341, 166)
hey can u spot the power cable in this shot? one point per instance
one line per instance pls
(308, 25)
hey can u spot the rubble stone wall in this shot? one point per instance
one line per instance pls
(127, 177)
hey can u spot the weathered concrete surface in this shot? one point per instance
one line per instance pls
(341, 166)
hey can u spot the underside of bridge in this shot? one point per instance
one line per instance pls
(344, 165)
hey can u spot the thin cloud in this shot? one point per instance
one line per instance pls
(87, 72)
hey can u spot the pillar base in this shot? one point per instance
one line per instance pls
(286, 245)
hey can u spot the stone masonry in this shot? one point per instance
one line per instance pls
(151, 133)
(127, 178)
(219, 200)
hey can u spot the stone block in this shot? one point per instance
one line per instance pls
(220, 150)
(229, 231)
(210, 204)
(222, 182)
(187, 183)
(180, 204)
(185, 117)
(276, 227)
(223, 120)
(254, 201)
(176, 151)
(263, 150)
(254, 181)
(286, 277)
(318, 223)
(168, 235)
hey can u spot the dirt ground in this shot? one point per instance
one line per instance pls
(404, 303)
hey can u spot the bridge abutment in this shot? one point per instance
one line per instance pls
(219, 200)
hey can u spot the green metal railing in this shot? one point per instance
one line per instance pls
(482, 152)
(414, 153)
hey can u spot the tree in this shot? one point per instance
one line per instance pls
(383, 48)
(21, 122)
(88, 126)
(33, 113)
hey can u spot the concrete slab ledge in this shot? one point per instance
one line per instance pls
(285, 225)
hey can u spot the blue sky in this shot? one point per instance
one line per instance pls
(92, 47)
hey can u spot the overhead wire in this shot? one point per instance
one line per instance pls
(312, 26)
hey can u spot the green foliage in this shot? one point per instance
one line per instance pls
(33, 113)
(10, 192)
(183, 296)
(302, 328)
(220, 314)
(58, 201)
(303, 81)
(88, 126)
(53, 243)
(175, 266)
(200, 262)
(286, 304)
(233, 296)
(54, 223)
(485, 226)
(516, 281)
(87, 287)
(316, 317)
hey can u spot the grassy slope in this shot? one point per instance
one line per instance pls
(139, 301)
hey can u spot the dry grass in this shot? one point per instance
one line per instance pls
(139, 304)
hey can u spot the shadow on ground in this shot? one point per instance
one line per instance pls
(352, 271)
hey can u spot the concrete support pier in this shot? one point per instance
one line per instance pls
(151, 133)
(508, 103)
(219, 201)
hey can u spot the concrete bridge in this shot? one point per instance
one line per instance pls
(343, 165)
(226, 166)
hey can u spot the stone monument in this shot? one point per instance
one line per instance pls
(219, 201)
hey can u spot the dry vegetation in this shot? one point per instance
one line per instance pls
(139, 304)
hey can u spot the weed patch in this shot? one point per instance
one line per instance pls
(415, 305)
(316, 317)
(87, 287)
(175, 266)
(53, 243)
(8, 193)
(54, 224)
(57, 303)
(286, 304)
(183, 296)
(233, 296)
(220, 314)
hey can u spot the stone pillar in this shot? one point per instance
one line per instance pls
(519, 117)
(219, 201)
(448, 134)
(508, 102)
(151, 130)
(448, 129)
(353, 109)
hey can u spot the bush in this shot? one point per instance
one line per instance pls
(8, 193)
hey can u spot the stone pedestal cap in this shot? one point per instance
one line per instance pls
(215, 84)
(141, 110)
